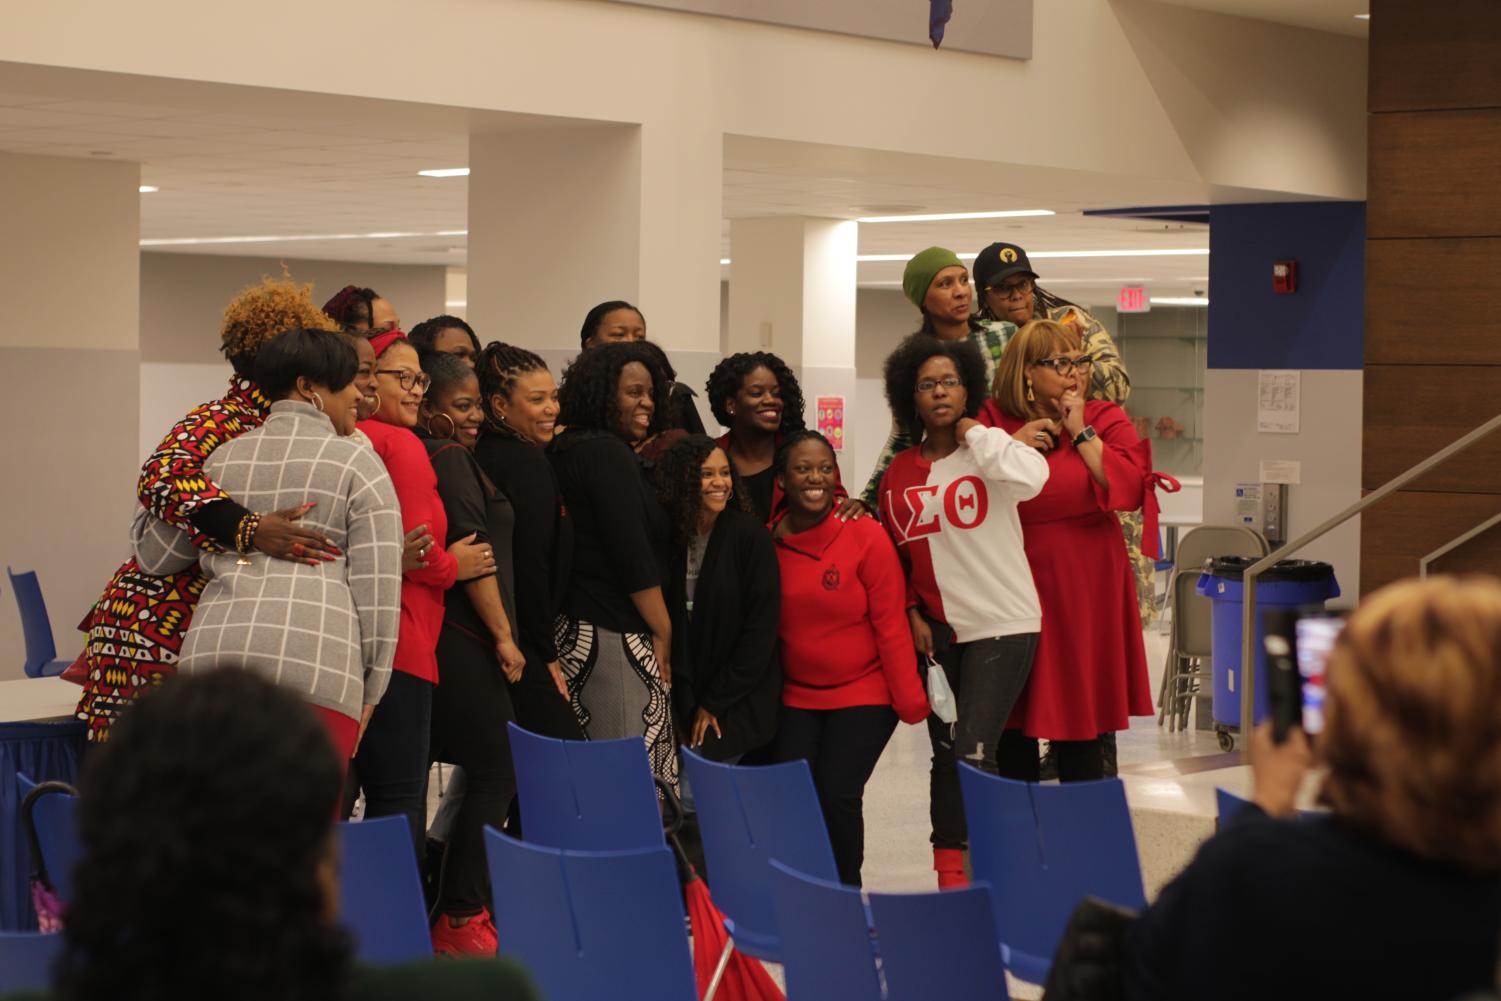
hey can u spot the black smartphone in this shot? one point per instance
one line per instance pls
(1297, 644)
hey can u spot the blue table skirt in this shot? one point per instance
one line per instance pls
(42, 752)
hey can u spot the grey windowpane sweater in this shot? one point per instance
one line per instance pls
(326, 632)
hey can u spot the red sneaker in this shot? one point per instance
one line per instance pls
(475, 937)
(949, 864)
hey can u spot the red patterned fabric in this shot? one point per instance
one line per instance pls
(136, 627)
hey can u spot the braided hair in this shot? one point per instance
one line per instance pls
(729, 375)
(213, 799)
(498, 367)
(445, 370)
(425, 334)
(352, 306)
(1042, 302)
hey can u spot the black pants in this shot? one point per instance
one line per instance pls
(471, 708)
(987, 677)
(539, 708)
(841, 747)
(391, 764)
(1078, 760)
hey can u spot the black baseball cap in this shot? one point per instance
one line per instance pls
(1000, 261)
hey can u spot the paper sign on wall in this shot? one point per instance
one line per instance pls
(1277, 401)
(1281, 471)
(831, 420)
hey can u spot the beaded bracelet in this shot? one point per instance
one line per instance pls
(245, 536)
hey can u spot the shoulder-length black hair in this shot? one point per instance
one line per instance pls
(910, 355)
(206, 821)
(319, 356)
(587, 398)
(728, 376)
(680, 487)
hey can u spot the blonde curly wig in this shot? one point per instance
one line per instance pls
(262, 311)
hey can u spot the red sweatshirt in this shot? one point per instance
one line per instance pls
(421, 590)
(844, 633)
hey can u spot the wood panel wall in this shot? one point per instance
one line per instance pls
(1433, 281)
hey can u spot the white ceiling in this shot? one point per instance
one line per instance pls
(237, 162)
(1337, 16)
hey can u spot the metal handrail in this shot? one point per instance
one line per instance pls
(1455, 543)
(1248, 609)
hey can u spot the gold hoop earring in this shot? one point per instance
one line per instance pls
(318, 402)
(453, 428)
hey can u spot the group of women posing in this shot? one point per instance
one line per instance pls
(584, 560)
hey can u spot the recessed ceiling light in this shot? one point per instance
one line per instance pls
(455, 303)
(192, 241)
(1173, 300)
(446, 172)
(147, 189)
(1362, 17)
(724, 260)
(957, 216)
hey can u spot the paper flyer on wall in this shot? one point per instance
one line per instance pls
(1277, 393)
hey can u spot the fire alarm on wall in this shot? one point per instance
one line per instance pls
(1285, 277)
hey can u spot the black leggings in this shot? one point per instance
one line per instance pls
(539, 708)
(841, 747)
(391, 764)
(471, 707)
(1078, 760)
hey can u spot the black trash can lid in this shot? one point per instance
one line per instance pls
(1297, 571)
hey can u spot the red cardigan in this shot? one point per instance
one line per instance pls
(421, 590)
(844, 633)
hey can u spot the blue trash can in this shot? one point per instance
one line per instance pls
(1287, 584)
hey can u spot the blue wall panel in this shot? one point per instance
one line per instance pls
(1322, 325)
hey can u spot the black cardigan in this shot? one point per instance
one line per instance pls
(541, 543)
(1308, 908)
(474, 507)
(726, 659)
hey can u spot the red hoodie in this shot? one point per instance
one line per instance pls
(844, 633)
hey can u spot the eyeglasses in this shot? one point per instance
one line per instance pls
(1066, 366)
(409, 380)
(1009, 289)
(947, 382)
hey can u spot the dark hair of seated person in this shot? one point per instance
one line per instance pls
(209, 865)
(320, 356)
(207, 826)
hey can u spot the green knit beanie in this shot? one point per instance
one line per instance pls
(923, 268)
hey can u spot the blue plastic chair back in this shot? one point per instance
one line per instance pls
(380, 895)
(592, 924)
(54, 817)
(747, 817)
(26, 959)
(1227, 805)
(1042, 849)
(827, 950)
(939, 945)
(41, 649)
(594, 795)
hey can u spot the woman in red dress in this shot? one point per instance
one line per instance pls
(1090, 671)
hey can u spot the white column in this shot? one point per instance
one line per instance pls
(69, 348)
(792, 292)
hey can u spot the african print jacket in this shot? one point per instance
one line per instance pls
(136, 627)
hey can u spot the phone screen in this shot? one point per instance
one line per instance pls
(1315, 638)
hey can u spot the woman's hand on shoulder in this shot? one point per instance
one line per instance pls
(851, 509)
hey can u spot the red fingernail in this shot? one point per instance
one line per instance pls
(335, 549)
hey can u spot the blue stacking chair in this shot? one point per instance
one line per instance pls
(1227, 805)
(827, 949)
(26, 959)
(595, 795)
(592, 924)
(939, 945)
(1042, 849)
(380, 894)
(41, 649)
(747, 817)
(49, 812)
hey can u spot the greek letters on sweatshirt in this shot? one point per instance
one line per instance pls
(956, 529)
(843, 630)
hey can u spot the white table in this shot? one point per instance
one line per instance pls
(35, 699)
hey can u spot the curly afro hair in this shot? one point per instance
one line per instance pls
(680, 485)
(587, 398)
(729, 375)
(215, 797)
(262, 311)
(901, 376)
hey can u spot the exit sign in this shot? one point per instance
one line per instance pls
(1132, 299)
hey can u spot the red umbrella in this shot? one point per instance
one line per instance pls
(745, 979)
